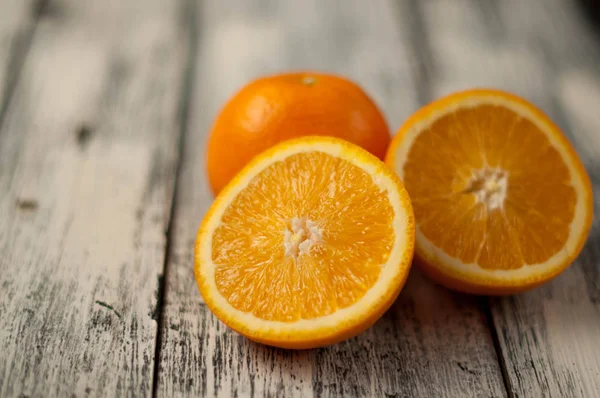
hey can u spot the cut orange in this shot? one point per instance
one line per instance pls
(306, 246)
(501, 200)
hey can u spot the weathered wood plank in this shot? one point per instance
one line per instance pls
(17, 23)
(431, 343)
(542, 51)
(88, 152)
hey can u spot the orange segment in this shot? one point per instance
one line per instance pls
(307, 246)
(501, 200)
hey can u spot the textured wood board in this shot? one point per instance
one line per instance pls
(88, 150)
(431, 343)
(17, 24)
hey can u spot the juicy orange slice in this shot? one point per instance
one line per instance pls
(501, 200)
(307, 246)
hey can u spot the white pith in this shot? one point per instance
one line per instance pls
(301, 235)
(489, 185)
(452, 265)
(344, 318)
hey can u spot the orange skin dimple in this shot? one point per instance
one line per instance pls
(276, 108)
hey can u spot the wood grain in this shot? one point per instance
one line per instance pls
(431, 343)
(545, 52)
(88, 150)
(17, 24)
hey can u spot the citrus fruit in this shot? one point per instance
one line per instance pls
(502, 202)
(276, 108)
(308, 245)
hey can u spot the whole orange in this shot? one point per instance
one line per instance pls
(277, 108)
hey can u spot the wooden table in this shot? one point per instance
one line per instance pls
(104, 110)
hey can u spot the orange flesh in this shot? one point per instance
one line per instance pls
(352, 235)
(462, 152)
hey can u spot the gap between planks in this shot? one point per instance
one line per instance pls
(190, 14)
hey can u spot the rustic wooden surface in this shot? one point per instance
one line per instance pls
(88, 149)
(104, 111)
(17, 24)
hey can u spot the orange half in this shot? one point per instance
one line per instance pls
(502, 201)
(307, 246)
